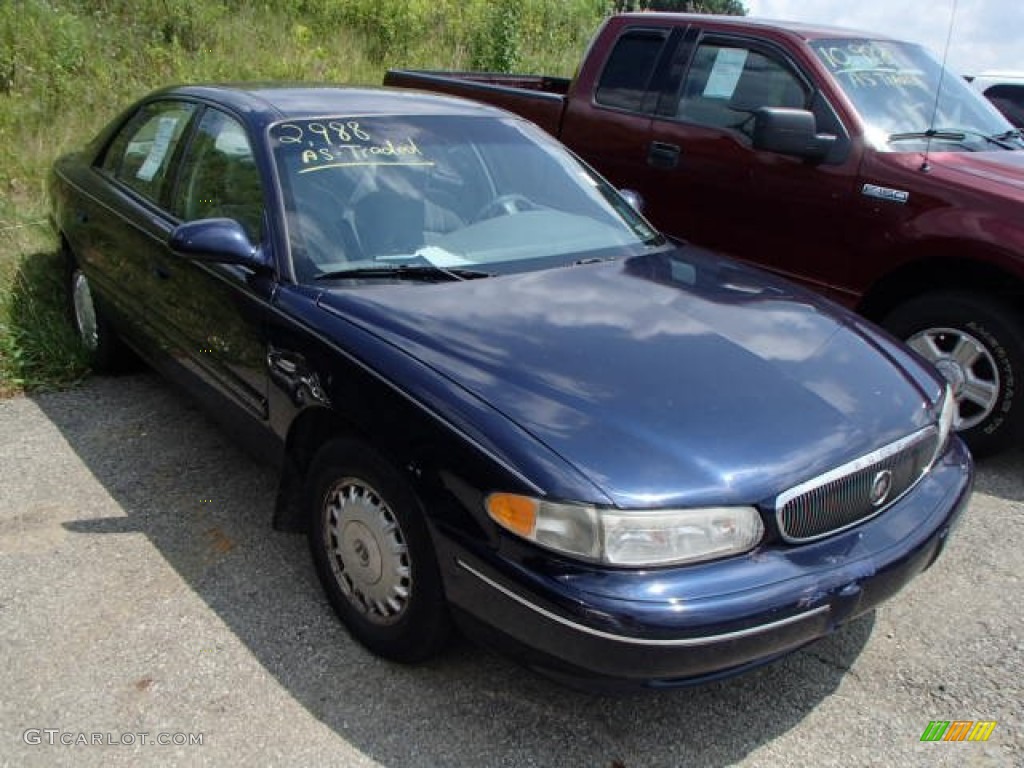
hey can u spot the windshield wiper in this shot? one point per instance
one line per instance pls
(959, 135)
(1010, 135)
(426, 272)
(931, 133)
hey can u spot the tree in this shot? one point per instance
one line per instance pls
(728, 7)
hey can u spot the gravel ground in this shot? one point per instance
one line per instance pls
(142, 591)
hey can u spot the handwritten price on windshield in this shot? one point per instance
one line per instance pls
(330, 132)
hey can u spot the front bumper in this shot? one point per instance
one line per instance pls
(696, 623)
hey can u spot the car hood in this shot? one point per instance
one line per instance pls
(983, 169)
(666, 379)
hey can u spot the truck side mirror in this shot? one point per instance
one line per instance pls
(790, 132)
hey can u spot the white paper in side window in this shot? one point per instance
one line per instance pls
(725, 73)
(161, 143)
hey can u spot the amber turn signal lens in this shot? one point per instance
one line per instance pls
(517, 513)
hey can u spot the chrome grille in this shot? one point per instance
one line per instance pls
(853, 493)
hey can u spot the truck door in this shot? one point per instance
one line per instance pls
(710, 186)
(608, 131)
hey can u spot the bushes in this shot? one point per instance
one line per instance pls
(67, 66)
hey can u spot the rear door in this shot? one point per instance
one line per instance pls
(123, 223)
(609, 132)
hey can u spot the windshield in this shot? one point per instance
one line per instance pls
(893, 85)
(453, 195)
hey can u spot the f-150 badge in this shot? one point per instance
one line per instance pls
(885, 193)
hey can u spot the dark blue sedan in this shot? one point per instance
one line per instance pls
(496, 396)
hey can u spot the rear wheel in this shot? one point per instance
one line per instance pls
(373, 553)
(977, 343)
(97, 338)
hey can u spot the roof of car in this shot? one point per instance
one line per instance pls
(274, 101)
(805, 31)
(992, 76)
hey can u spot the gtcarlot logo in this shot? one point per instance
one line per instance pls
(55, 737)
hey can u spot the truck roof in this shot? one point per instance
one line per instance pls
(802, 30)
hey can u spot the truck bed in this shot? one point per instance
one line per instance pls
(536, 97)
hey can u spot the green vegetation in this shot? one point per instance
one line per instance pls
(67, 67)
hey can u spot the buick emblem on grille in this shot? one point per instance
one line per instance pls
(881, 486)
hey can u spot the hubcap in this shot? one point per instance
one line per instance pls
(968, 366)
(368, 553)
(85, 312)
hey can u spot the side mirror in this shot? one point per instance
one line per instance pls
(222, 241)
(790, 132)
(634, 198)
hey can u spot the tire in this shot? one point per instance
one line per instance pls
(373, 553)
(977, 343)
(103, 349)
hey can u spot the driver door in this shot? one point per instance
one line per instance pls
(715, 189)
(215, 313)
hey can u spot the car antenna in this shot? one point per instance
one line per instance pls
(925, 167)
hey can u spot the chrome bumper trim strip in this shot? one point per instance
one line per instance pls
(687, 642)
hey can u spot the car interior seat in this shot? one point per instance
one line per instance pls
(388, 222)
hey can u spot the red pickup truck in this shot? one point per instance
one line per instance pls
(851, 162)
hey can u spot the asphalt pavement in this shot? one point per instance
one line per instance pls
(149, 615)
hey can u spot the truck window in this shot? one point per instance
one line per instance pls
(628, 70)
(726, 83)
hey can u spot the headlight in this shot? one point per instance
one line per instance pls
(632, 538)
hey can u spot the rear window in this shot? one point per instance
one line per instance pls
(626, 76)
(1009, 99)
(140, 155)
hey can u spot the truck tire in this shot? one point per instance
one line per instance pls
(977, 343)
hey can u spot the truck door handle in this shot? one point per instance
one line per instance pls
(662, 155)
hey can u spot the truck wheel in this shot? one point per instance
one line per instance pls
(977, 343)
(373, 553)
(102, 347)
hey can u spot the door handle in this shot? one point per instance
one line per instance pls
(662, 155)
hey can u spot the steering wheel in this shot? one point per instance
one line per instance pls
(505, 205)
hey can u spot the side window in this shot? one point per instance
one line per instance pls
(140, 155)
(628, 70)
(726, 83)
(219, 177)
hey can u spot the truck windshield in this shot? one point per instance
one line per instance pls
(893, 85)
(421, 197)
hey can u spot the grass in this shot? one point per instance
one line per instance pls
(38, 349)
(69, 66)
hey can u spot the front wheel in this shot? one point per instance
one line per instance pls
(373, 553)
(977, 343)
